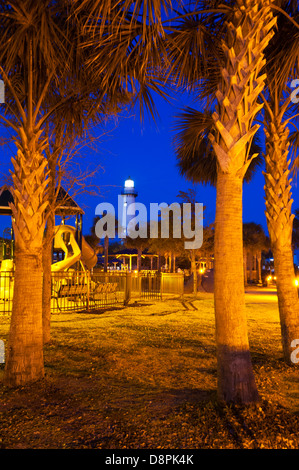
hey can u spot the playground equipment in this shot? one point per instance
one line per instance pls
(6, 279)
(66, 241)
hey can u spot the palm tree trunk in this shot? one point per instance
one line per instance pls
(47, 250)
(251, 267)
(280, 226)
(248, 34)
(25, 347)
(194, 272)
(259, 267)
(245, 266)
(47, 278)
(139, 251)
(25, 344)
(106, 252)
(235, 376)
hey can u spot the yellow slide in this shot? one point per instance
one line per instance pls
(88, 255)
(71, 249)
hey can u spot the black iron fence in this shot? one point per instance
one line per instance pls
(78, 291)
(86, 291)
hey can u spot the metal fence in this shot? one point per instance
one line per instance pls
(78, 291)
(157, 286)
(85, 291)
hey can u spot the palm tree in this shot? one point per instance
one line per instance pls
(35, 58)
(254, 242)
(38, 61)
(192, 142)
(295, 236)
(238, 79)
(280, 113)
(44, 65)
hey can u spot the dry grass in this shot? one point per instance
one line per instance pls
(145, 377)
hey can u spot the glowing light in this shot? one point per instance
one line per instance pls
(129, 183)
(296, 282)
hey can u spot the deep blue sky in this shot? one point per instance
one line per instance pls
(145, 153)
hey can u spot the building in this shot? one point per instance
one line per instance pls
(128, 196)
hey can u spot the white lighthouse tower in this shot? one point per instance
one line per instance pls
(128, 196)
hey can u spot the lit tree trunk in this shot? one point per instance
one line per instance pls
(47, 277)
(245, 266)
(194, 272)
(248, 35)
(106, 249)
(259, 267)
(235, 376)
(251, 266)
(139, 250)
(47, 253)
(280, 226)
(25, 344)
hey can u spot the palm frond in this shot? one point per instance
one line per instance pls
(196, 158)
(282, 52)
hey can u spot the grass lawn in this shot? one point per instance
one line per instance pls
(144, 377)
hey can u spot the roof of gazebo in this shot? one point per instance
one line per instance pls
(130, 252)
(66, 204)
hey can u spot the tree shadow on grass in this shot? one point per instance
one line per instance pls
(292, 392)
(165, 402)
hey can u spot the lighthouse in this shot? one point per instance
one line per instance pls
(128, 196)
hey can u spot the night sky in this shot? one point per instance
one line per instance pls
(145, 153)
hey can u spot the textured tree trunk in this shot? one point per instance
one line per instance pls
(139, 259)
(194, 272)
(48, 246)
(245, 266)
(235, 376)
(47, 278)
(25, 347)
(106, 251)
(248, 35)
(280, 226)
(25, 344)
(259, 267)
(159, 263)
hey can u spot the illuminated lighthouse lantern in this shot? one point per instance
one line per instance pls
(128, 195)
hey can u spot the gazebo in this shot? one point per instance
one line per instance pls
(65, 207)
(131, 253)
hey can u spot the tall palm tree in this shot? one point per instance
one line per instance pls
(248, 35)
(35, 57)
(239, 82)
(44, 65)
(39, 60)
(280, 114)
(192, 142)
